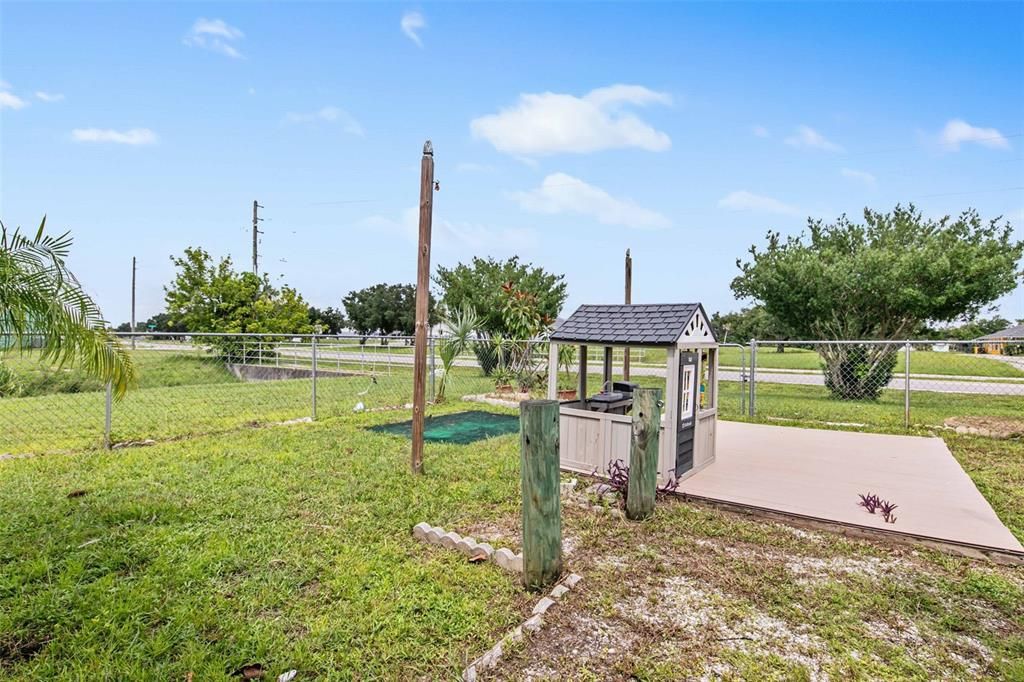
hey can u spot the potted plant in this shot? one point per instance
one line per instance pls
(503, 378)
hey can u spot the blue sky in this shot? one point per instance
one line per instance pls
(563, 133)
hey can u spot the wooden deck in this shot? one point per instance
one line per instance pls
(818, 474)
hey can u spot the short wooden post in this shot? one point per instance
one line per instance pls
(643, 453)
(542, 509)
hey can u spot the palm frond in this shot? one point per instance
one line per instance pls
(40, 296)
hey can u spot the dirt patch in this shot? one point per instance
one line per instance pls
(699, 594)
(686, 607)
(15, 649)
(501, 533)
(968, 653)
(810, 570)
(993, 427)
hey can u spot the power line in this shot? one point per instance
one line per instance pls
(947, 145)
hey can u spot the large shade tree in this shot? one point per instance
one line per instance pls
(746, 324)
(212, 297)
(384, 309)
(328, 320)
(42, 302)
(486, 285)
(879, 279)
(482, 286)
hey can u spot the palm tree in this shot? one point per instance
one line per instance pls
(460, 327)
(40, 297)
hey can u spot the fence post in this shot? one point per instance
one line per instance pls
(753, 377)
(107, 414)
(643, 453)
(314, 378)
(542, 510)
(906, 384)
(430, 345)
(743, 377)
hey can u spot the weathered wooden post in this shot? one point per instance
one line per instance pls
(419, 370)
(643, 453)
(542, 509)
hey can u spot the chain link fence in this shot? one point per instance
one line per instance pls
(207, 383)
(881, 383)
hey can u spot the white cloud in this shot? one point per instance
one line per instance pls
(862, 176)
(328, 115)
(743, 200)
(216, 36)
(49, 96)
(411, 23)
(549, 123)
(958, 131)
(760, 131)
(809, 138)
(481, 238)
(8, 100)
(562, 193)
(135, 136)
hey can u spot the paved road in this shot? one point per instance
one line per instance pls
(938, 385)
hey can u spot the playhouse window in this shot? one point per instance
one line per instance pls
(686, 406)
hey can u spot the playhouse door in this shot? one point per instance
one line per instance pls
(687, 411)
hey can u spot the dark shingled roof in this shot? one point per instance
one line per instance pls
(640, 324)
(1013, 332)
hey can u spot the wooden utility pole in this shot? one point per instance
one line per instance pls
(542, 507)
(629, 299)
(419, 375)
(643, 453)
(133, 302)
(255, 238)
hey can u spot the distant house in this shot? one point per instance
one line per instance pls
(1003, 342)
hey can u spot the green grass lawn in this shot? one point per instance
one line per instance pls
(997, 469)
(154, 369)
(189, 394)
(290, 547)
(75, 421)
(815, 404)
